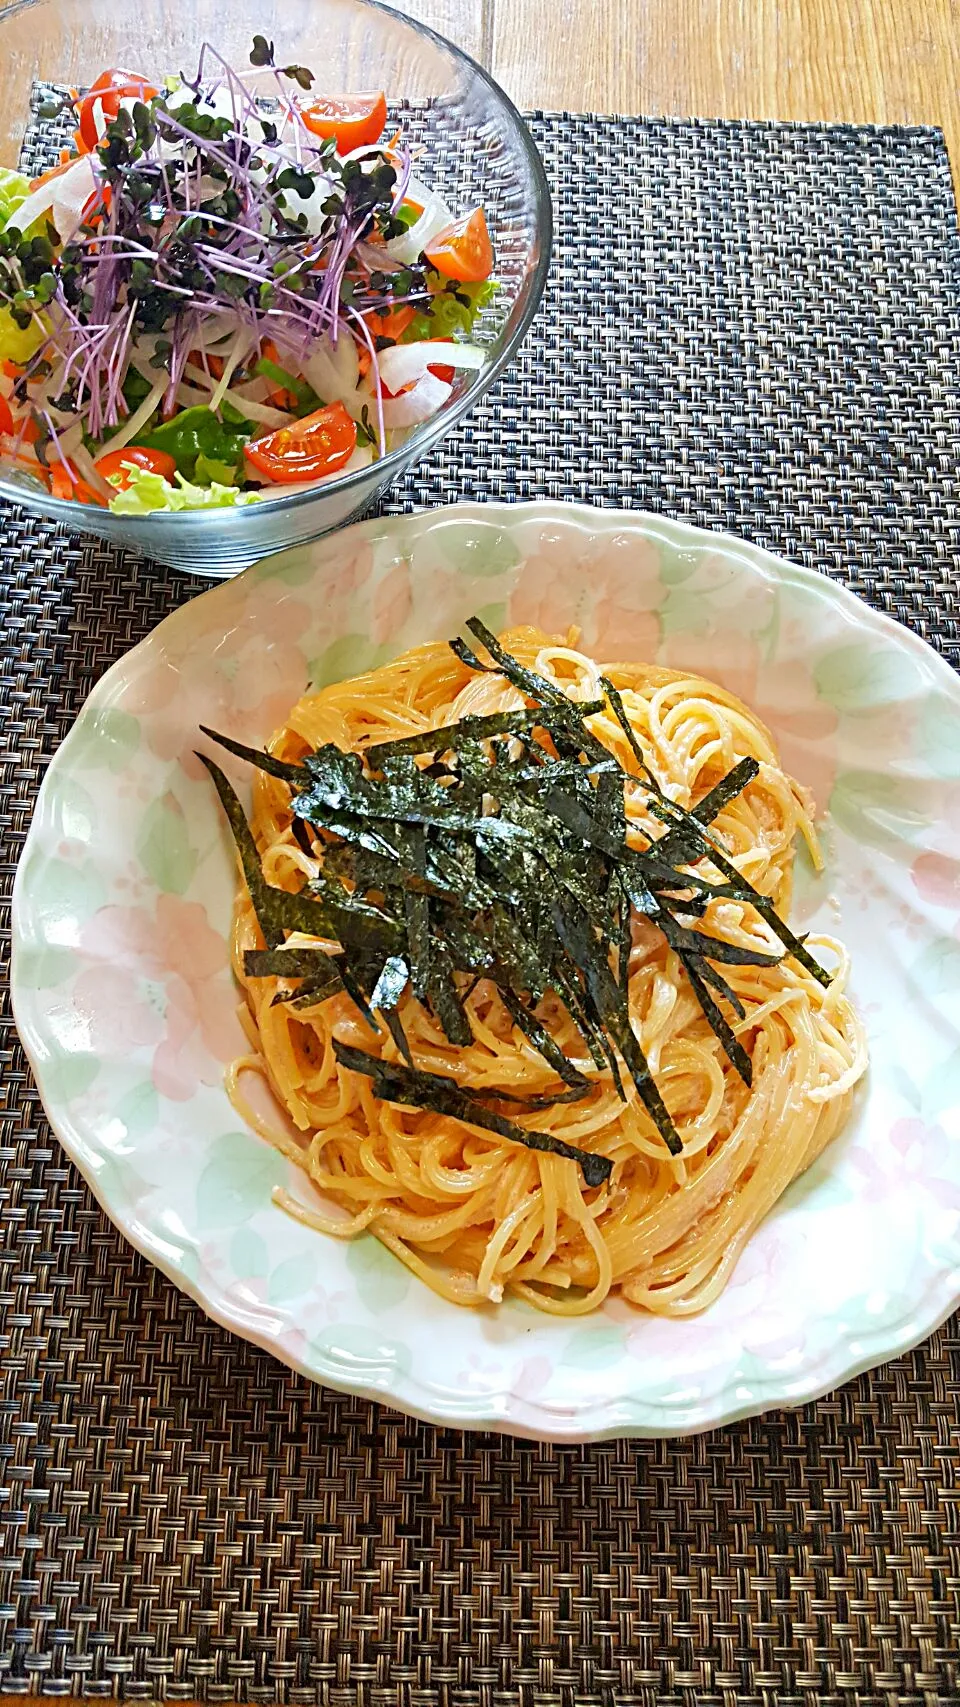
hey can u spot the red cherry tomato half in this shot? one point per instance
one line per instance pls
(153, 461)
(352, 120)
(105, 96)
(6, 416)
(319, 444)
(463, 250)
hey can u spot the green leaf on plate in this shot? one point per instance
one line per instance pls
(939, 735)
(596, 1345)
(685, 612)
(63, 892)
(293, 1277)
(678, 566)
(363, 1352)
(104, 738)
(139, 1110)
(855, 678)
(236, 1181)
(45, 968)
(249, 1257)
(495, 615)
(351, 655)
(293, 566)
(477, 548)
(163, 846)
(381, 1279)
(937, 969)
(873, 808)
(70, 1075)
(75, 811)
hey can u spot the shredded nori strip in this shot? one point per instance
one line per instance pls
(543, 1042)
(247, 849)
(256, 756)
(506, 857)
(394, 1025)
(607, 997)
(462, 651)
(731, 1043)
(727, 789)
(439, 1094)
(313, 963)
(519, 724)
(350, 920)
(534, 686)
(621, 716)
(390, 985)
(710, 975)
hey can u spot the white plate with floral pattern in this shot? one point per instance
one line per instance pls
(124, 999)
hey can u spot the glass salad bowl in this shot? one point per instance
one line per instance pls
(469, 145)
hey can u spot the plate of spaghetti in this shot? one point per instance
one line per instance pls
(505, 960)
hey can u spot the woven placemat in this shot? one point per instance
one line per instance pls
(754, 327)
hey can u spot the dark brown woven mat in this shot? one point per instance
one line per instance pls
(756, 327)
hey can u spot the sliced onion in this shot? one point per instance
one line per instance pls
(419, 404)
(242, 397)
(64, 197)
(355, 402)
(190, 396)
(376, 257)
(366, 150)
(434, 218)
(265, 413)
(84, 465)
(333, 370)
(237, 353)
(73, 192)
(420, 194)
(127, 433)
(345, 359)
(404, 363)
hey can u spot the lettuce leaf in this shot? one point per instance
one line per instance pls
(210, 472)
(18, 344)
(148, 492)
(14, 189)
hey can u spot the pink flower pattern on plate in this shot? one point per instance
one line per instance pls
(160, 979)
(936, 878)
(608, 587)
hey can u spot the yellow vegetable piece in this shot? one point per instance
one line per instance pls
(18, 344)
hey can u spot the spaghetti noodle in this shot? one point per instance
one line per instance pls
(473, 1213)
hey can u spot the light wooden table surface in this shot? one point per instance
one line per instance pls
(865, 61)
(873, 61)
